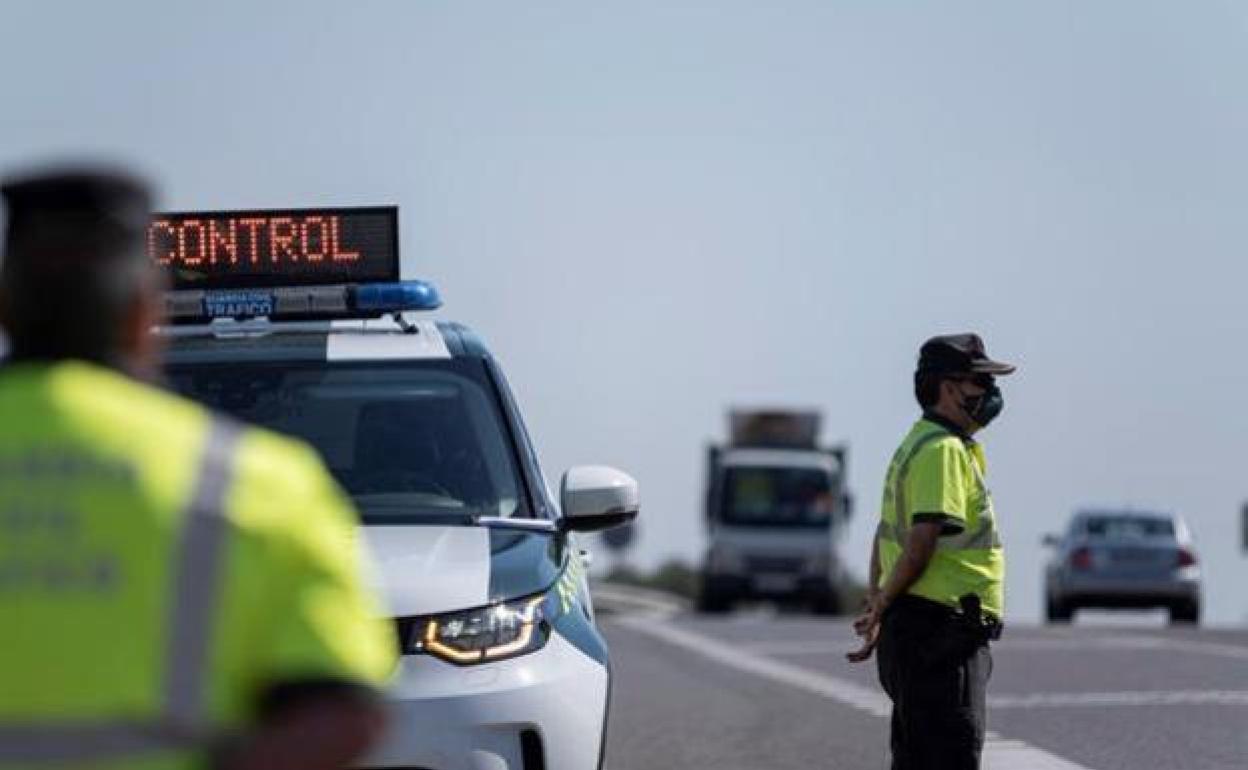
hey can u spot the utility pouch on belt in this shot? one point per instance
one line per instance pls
(972, 614)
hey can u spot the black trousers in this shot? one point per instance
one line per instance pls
(936, 672)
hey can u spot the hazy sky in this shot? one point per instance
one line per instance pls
(652, 210)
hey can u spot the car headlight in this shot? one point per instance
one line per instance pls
(483, 634)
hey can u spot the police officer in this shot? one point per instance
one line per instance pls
(935, 596)
(176, 590)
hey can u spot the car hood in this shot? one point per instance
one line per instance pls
(427, 569)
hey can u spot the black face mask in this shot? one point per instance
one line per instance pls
(985, 407)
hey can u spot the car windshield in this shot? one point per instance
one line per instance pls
(777, 496)
(1128, 527)
(417, 442)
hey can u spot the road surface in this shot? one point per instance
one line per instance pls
(762, 691)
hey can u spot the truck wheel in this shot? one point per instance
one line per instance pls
(713, 602)
(1057, 611)
(828, 603)
(1186, 612)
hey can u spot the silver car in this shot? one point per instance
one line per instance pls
(1123, 559)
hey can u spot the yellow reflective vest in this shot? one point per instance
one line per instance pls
(937, 474)
(159, 568)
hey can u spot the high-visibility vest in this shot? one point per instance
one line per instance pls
(159, 568)
(937, 474)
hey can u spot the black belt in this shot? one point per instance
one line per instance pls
(969, 611)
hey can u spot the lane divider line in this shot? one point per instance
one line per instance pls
(1126, 698)
(850, 693)
(1058, 644)
(1200, 648)
(999, 753)
(1114, 642)
(799, 648)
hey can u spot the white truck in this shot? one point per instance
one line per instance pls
(776, 504)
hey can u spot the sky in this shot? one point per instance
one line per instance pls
(655, 210)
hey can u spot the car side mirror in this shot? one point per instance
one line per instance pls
(1051, 540)
(596, 497)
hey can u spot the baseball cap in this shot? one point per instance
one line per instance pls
(959, 353)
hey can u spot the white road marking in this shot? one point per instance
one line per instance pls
(797, 647)
(1005, 754)
(734, 656)
(1132, 698)
(1200, 648)
(1065, 644)
(1108, 643)
(999, 753)
(1125, 642)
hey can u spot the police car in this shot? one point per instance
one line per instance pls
(296, 321)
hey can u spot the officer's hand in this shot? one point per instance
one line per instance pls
(867, 626)
(869, 618)
(869, 640)
(861, 654)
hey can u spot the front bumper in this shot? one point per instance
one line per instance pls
(446, 717)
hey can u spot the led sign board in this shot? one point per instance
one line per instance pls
(289, 247)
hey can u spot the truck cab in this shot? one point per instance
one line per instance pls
(775, 506)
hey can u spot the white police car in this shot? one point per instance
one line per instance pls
(503, 666)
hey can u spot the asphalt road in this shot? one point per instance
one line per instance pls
(764, 691)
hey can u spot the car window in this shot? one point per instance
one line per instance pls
(412, 441)
(1128, 527)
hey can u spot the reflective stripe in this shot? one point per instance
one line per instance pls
(80, 742)
(899, 529)
(182, 725)
(200, 558)
(983, 537)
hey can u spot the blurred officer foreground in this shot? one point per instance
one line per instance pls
(177, 589)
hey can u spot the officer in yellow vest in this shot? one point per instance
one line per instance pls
(935, 597)
(176, 590)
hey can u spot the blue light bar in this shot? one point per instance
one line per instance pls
(396, 297)
(369, 300)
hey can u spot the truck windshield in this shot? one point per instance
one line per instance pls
(411, 443)
(777, 496)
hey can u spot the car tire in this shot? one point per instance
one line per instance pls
(1185, 613)
(1058, 611)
